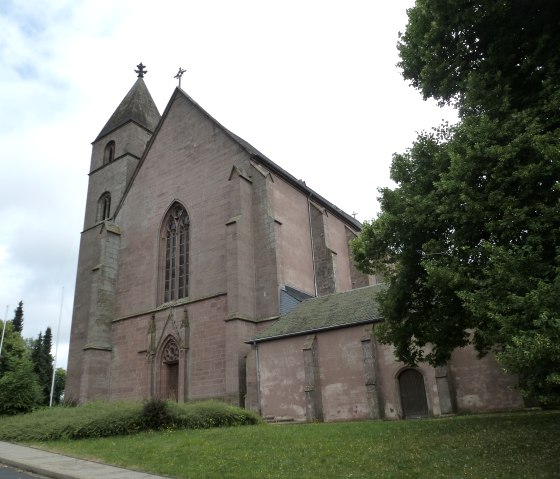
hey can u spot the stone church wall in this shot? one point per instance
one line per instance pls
(88, 259)
(339, 377)
(389, 370)
(348, 384)
(134, 377)
(294, 243)
(343, 376)
(338, 243)
(282, 379)
(189, 162)
(480, 384)
(330, 244)
(130, 370)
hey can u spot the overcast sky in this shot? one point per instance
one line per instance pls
(312, 84)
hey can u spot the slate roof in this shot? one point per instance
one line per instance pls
(357, 306)
(137, 106)
(297, 294)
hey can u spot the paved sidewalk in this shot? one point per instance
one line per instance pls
(58, 466)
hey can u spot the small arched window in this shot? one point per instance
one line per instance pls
(104, 206)
(175, 253)
(109, 153)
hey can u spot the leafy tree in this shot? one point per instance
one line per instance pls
(13, 347)
(36, 353)
(43, 362)
(483, 55)
(18, 318)
(59, 385)
(469, 240)
(19, 387)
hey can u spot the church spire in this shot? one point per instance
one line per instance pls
(137, 106)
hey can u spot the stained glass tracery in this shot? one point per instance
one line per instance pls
(176, 270)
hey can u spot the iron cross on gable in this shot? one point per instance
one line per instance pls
(179, 75)
(141, 70)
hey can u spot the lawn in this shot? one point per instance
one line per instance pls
(516, 445)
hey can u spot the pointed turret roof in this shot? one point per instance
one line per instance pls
(137, 106)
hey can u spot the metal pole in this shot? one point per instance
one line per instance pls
(4, 329)
(56, 347)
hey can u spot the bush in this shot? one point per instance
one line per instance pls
(156, 414)
(208, 414)
(102, 419)
(19, 389)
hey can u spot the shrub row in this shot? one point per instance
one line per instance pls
(102, 419)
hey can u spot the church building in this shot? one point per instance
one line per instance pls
(208, 271)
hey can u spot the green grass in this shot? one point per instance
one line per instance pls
(517, 445)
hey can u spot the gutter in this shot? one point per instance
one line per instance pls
(315, 330)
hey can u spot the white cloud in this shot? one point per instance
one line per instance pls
(311, 84)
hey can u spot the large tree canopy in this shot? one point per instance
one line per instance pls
(480, 54)
(469, 240)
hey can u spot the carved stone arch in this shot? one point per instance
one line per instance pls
(174, 254)
(168, 366)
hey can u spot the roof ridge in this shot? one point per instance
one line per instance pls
(250, 149)
(260, 157)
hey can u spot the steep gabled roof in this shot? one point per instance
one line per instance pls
(268, 163)
(138, 107)
(251, 150)
(357, 306)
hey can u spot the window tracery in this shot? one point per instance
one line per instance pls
(171, 352)
(176, 254)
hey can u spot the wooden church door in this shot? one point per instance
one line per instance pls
(413, 394)
(172, 381)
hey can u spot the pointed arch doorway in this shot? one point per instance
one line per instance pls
(413, 394)
(169, 371)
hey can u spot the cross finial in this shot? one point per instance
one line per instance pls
(141, 70)
(354, 215)
(179, 75)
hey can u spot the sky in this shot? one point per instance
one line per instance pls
(312, 84)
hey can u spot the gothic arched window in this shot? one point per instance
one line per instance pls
(104, 206)
(109, 153)
(175, 240)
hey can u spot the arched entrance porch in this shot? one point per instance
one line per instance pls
(169, 370)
